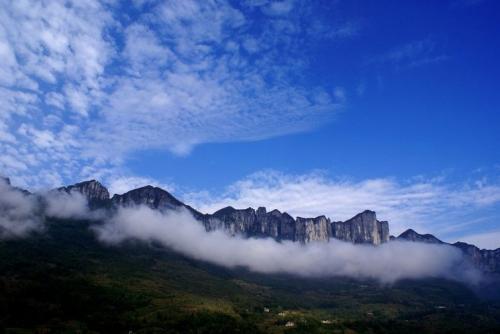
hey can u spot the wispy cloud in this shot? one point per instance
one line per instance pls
(427, 205)
(412, 54)
(81, 86)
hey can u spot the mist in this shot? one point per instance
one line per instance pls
(22, 213)
(387, 263)
(19, 212)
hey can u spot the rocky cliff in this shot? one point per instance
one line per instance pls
(364, 228)
(312, 229)
(93, 190)
(253, 223)
(361, 229)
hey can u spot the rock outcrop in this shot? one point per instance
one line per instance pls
(251, 223)
(485, 259)
(312, 229)
(361, 229)
(93, 190)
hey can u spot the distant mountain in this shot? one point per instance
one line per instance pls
(93, 190)
(411, 235)
(484, 259)
(153, 197)
(363, 228)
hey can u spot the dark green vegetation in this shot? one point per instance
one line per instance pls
(64, 281)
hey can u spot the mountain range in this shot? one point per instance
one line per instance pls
(363, 228)
(63, 279)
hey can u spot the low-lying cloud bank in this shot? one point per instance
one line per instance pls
(19, 213)
(387, 263)
(22, 213)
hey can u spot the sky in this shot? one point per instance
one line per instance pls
(311, 107)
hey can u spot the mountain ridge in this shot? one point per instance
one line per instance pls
(363, 228)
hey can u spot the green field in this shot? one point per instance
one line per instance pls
(64, 281)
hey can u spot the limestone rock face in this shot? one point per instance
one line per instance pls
(286, 225)
(485, 259)
(251, 223)
(93, 190)
(312, 229)
(364, 228)
(235, 222)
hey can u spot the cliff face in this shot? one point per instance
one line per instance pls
(251, 223)
(362, 228)
(485, 259)
(93, 190)
(312, 229)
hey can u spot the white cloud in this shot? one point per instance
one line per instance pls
(60, 204)
(18, 212)
(181, 74)
(428, 206)
(387, 263)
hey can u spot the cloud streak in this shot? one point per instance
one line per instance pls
(386, 263)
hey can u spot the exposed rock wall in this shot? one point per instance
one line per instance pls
(312, 229)
(361, 229)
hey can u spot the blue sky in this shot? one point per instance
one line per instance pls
(313, 107)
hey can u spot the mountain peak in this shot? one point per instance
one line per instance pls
(412, 235)
(154, 197)
(93, 190)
